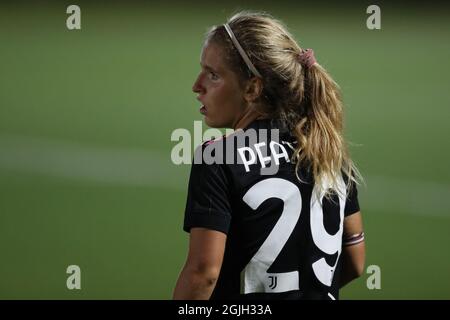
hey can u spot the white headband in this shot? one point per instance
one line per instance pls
(241, 51)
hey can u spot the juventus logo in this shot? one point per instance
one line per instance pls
(273, 282)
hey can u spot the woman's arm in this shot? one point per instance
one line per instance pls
(201, 270)
(353, 255)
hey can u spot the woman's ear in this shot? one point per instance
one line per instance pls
(253, 89)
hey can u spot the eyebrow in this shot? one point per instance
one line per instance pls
(208, 67)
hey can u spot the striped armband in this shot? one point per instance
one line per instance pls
(353, 239)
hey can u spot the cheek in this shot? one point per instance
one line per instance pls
(228, 98)
(225, 104)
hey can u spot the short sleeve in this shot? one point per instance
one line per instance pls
(351, 203)
(208, 200)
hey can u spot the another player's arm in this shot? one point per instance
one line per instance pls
(201, 270)
(353, 251)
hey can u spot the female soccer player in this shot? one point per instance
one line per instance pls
(295, 232)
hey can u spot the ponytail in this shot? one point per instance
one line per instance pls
(321, 146)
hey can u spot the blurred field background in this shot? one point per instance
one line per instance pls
(86, 118)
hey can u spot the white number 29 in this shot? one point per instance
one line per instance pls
(254, 277)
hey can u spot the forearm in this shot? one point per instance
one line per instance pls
(353, 260)
(192, 285)
(354, 250)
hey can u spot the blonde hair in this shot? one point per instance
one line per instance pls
(306, 98)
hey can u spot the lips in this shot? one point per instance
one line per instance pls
(203, 110)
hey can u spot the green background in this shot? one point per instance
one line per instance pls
(86, 118)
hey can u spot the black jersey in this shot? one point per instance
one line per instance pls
(284, 238)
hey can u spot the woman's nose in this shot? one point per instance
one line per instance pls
(197, 87)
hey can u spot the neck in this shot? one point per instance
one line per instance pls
(247, 117)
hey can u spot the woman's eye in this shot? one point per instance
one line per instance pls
(213, 76)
